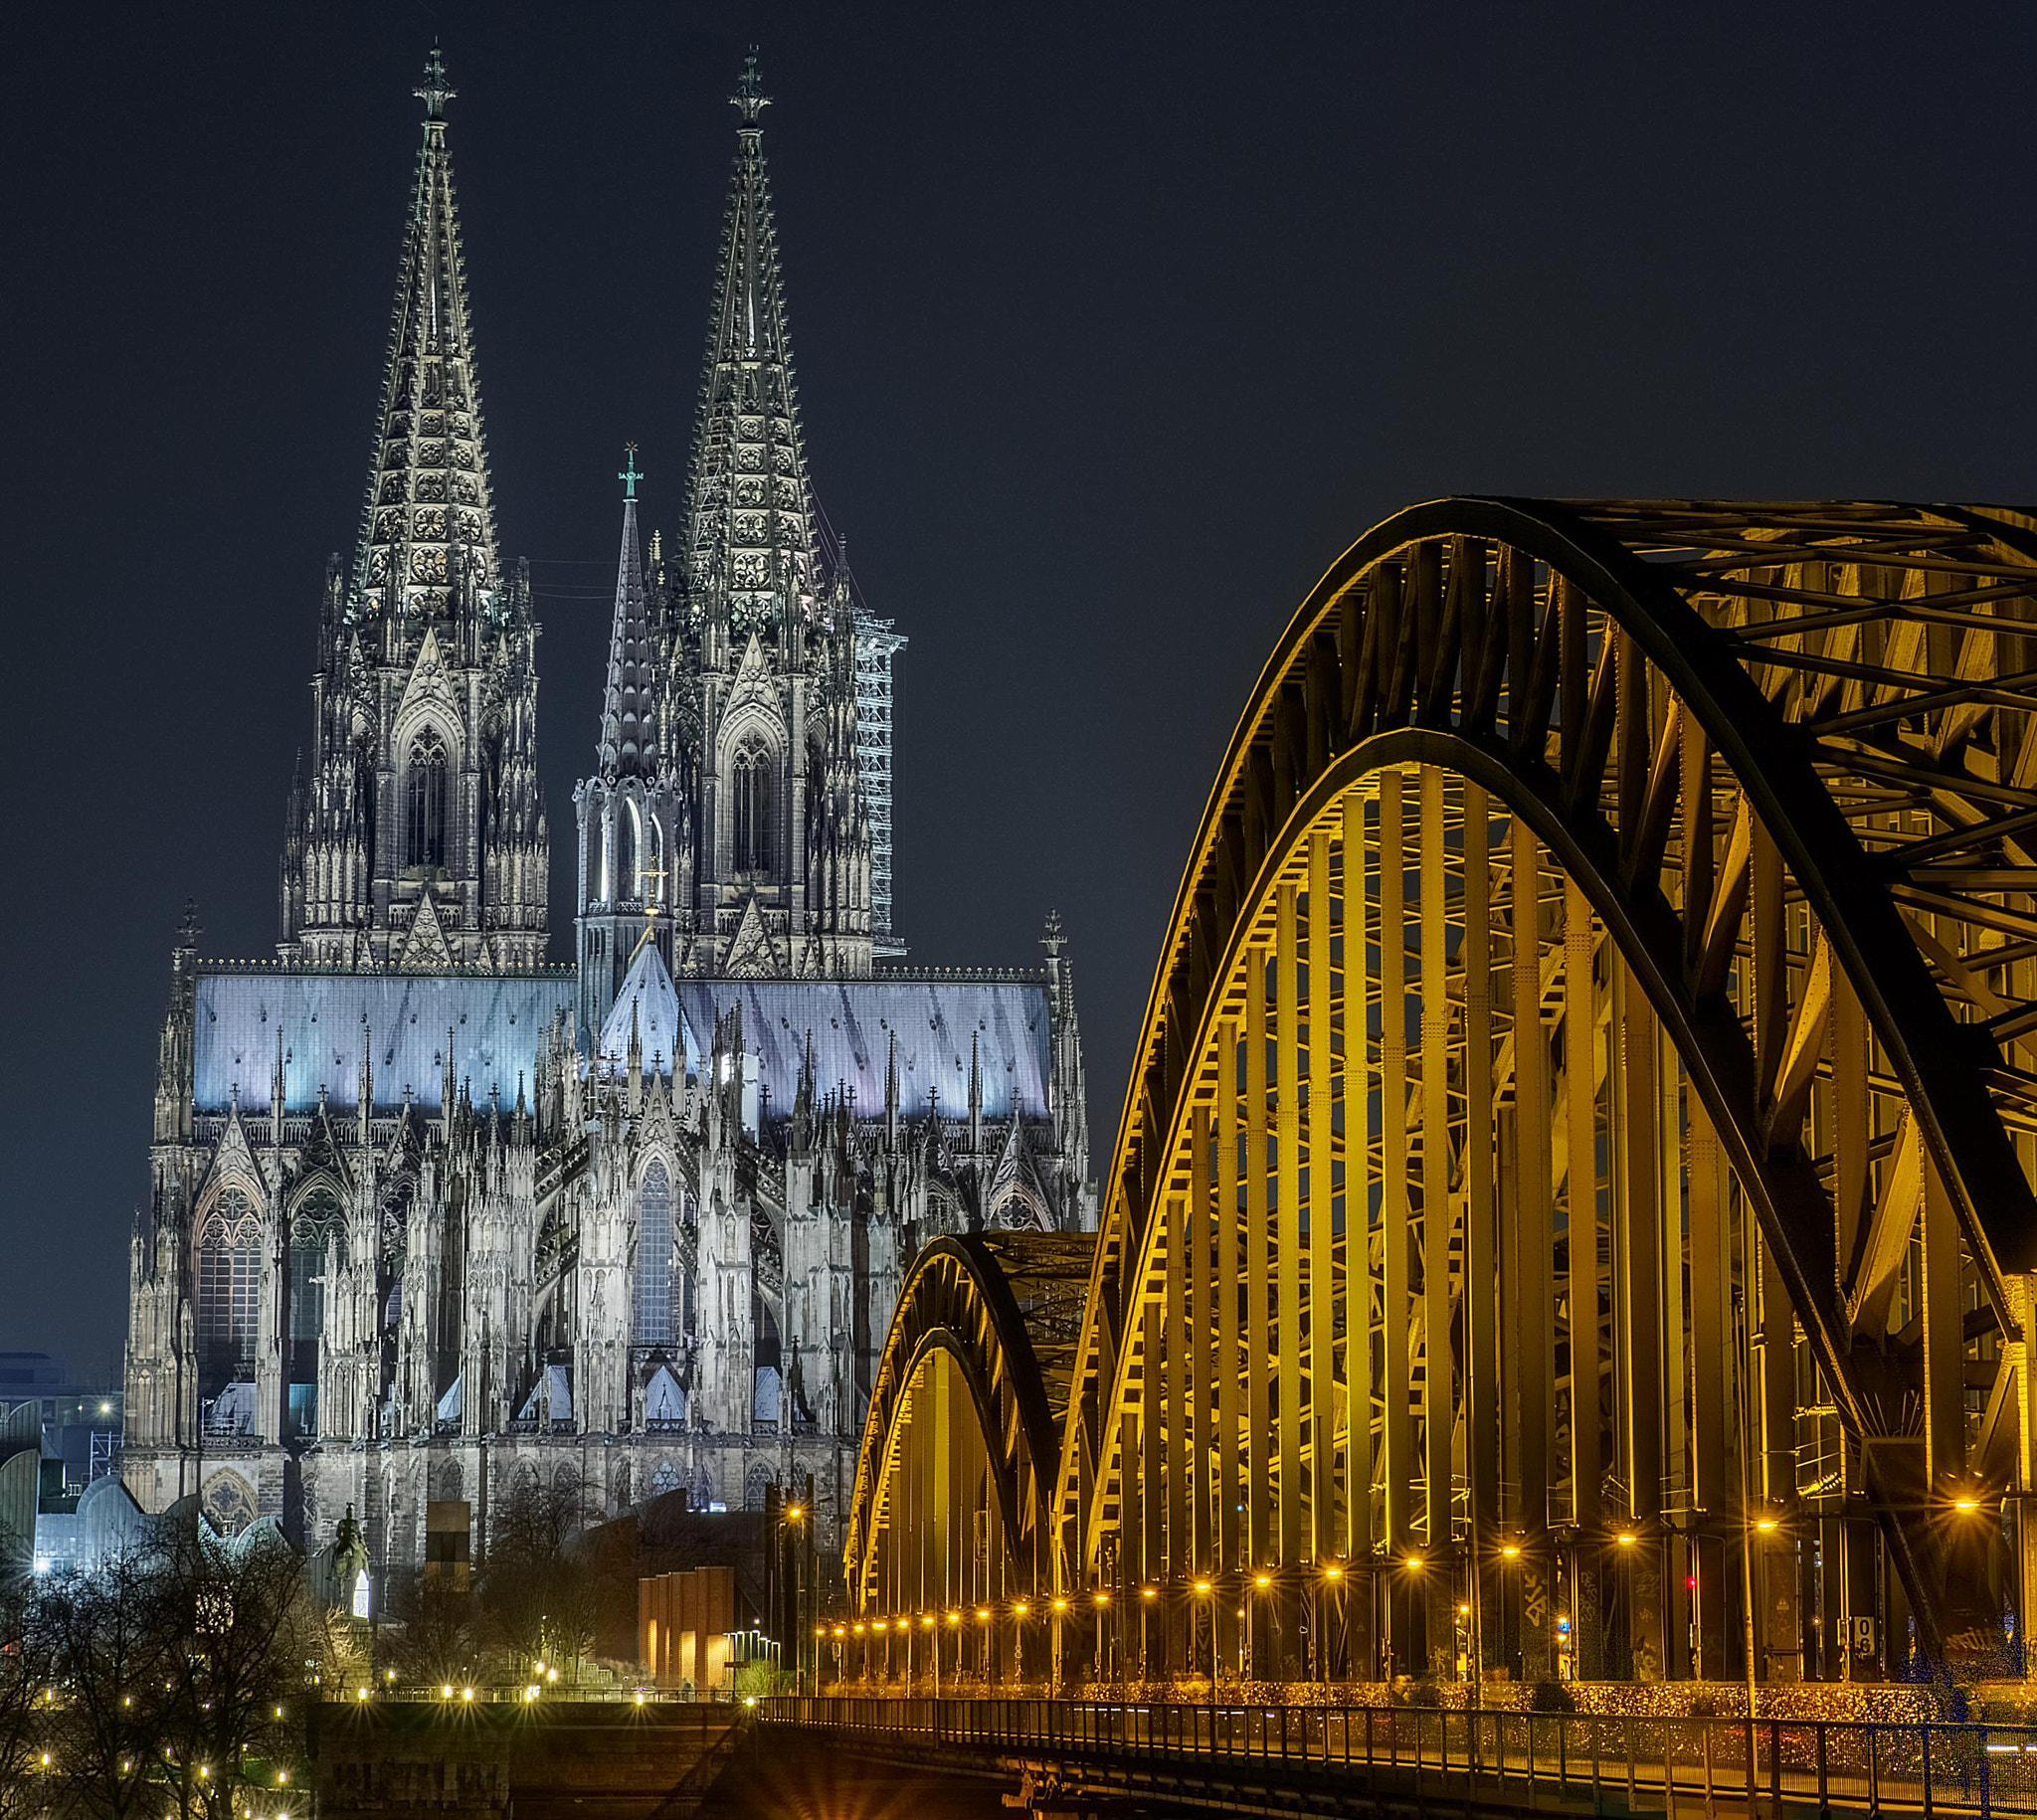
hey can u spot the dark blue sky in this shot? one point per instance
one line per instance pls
(1113, 326)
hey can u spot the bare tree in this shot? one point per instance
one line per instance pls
(245, 1629)
(437, 1641)
(109, 1657)
(541, 1604)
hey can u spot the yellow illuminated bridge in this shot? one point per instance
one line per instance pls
(1571, 1214)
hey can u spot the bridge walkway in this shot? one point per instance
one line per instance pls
(1300, 1759)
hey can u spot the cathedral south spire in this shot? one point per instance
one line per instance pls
(418, 838)
(428, 529)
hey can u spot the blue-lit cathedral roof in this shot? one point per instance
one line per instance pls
(493, 1025)
(850, 1026)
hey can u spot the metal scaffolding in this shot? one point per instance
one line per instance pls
(877, 643)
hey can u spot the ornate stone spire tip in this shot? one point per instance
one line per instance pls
(749, 99)
(627, 474)
(435, 91)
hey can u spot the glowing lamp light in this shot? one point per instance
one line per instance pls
(984, 1612)
(1510, 1550)
(445, 1693)
(1414, 1563)
(1766, 1525)
(954, 1617)
(1463, 1611)
(793, 1513)
(1964, 1504)
(1020, 1609)
(639, 1697)
(1148, 1592)
(928, 1621)
(1262, 1579)
(1101, 1597)
(1333, 1572)
(467, 1693)
(1060, 1604)
(1203, 1587)
(1628, 1538)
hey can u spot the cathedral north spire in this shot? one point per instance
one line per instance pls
(752, 547)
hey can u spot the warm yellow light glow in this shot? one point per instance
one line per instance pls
(1148, 1592)
(984, 1612)
(445, 1693)
(639, 1697)
(1965, 1503)
(1020, 1609)
(793, 1513)
(1060, 1604)
(954, 1617)
(1203, 1586)
(1101, 1597)
(1413, 1564)
(1764, 1523)
(928, 1620)
(1264, 1579)
(1333, 1572)
(467, 1693)
(1464, 1611)
(1626, 1538)
(1511, 1550)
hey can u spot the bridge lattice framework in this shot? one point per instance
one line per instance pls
(1574, 1192)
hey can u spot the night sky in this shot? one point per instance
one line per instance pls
(1113, 328)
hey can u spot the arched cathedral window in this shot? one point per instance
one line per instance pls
(317, 1232)
(750, 810)
(652, 1315)
(628, 878)
(425, 801)
(229, 1285)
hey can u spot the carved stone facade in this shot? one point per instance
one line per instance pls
(429, 1215)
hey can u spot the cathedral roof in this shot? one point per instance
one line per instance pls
(429, 515)
(647, 1006)
(750, 519)
(628, 745)
(325, 1019)
(852, 1024)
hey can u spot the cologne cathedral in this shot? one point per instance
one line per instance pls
(429, 1215)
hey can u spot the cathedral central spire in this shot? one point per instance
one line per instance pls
(428, 531)
(628, 746)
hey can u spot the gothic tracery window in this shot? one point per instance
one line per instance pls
(424, 787)
(652, 1317)
(229, 1286)
(750, 808)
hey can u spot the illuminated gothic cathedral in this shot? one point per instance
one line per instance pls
(429, 1215)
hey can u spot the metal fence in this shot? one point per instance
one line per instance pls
(1609, 1759)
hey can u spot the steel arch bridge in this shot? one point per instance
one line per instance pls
(1571, 1210)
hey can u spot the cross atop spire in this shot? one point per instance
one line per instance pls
(628, 474)
(749, 99)
(435, 91)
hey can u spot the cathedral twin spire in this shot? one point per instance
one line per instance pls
(428, 528)
(751, 545)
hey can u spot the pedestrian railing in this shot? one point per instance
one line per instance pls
(1612, 1759)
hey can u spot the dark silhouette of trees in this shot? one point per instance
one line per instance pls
(540, 1601)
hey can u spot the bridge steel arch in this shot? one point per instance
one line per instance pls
(1573, 1190)
(954, 1482)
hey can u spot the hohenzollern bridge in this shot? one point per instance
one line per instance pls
(1571, 1217)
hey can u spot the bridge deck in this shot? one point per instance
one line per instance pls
(1299, 1758)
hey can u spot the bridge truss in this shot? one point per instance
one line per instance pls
(1573, 1206)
